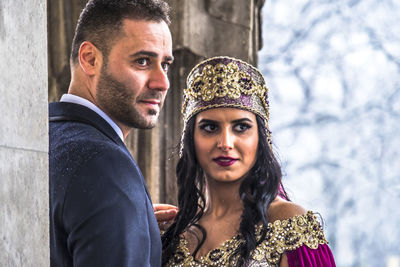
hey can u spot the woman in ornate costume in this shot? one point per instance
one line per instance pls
(233, 209)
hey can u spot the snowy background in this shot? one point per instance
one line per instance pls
(333, 69)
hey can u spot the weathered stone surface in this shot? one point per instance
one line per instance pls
(24, 213)
(214, 28)
(235, 12)
(24, 227)
(23, 74)
(62, 19)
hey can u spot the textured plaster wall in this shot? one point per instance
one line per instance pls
(217, 28)
(23, 134)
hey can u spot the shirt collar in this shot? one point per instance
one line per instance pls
(84, 102)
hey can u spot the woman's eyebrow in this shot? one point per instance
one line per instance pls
(242, 120)
(207, 121)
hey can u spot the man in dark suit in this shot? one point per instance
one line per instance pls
(100, 210)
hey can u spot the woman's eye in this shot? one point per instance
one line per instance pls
(242, 127)
(208, 128)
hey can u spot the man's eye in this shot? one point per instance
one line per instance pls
(165, 66)
(142, 61)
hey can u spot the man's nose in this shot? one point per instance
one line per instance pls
(158, 79)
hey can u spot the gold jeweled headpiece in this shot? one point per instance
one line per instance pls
(225, 82)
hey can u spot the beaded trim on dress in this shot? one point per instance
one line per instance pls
(282, 235)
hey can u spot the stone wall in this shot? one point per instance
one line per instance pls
(200, 29)
(24, 224)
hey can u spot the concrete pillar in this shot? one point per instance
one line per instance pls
(24, 227)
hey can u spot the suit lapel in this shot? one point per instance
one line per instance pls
(64, 111)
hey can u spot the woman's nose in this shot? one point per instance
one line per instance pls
(225, 142)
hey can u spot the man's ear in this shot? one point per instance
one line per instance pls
(90, 58)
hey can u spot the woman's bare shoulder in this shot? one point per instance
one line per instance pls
(281, 209)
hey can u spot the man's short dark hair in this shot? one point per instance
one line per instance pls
(101, 21)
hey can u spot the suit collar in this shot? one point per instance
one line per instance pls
(65, 111)
(71, 98)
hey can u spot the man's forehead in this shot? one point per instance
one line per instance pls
(145, 27)
(146, 35)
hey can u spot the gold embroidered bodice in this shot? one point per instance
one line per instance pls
(282, 235)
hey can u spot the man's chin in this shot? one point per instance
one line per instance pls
(146, 122)
(152, 123)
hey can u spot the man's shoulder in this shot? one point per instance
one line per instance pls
(74, 146)
(85, 161)
(74, 122)
(79, 142)
(79, 138)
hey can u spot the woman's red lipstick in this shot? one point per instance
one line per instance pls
(225, 161)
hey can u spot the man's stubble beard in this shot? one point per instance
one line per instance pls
(118, 101)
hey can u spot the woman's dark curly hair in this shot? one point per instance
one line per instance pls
(257, 191)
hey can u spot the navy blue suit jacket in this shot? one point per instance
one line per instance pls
(100, 210)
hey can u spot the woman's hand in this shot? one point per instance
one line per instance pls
(165, 215)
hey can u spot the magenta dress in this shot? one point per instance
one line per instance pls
(305, 256)
(301, 238)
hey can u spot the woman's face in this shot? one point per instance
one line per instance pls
(226, 141)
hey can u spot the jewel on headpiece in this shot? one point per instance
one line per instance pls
(225, 82)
